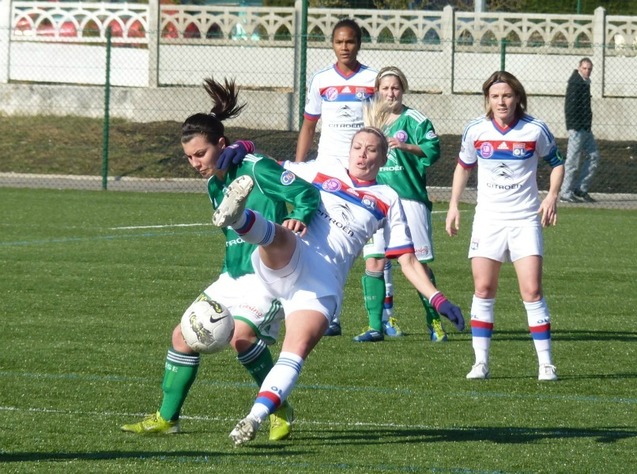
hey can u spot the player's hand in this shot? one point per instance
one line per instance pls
(234, 154)
(548, 211)
(295, 226)
(452, 224)
(448, 309)
(453, 314)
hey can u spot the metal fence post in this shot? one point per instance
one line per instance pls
(153, 34)
(599, 52)
(448, 48)
(300, 58)
(503, 54)
(5, 38)
(107, 100)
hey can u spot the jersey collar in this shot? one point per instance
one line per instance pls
(359, 183)
(342, 73)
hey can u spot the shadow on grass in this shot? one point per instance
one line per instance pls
(189, 456)
(375, 435)
(499, 435)
(565, 335)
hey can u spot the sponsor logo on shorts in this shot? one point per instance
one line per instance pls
(251, 310)
(422, 250)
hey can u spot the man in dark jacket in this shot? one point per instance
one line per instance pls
(579, 118)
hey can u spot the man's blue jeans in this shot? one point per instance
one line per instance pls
(580, 142)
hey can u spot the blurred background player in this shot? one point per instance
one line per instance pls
(257, 315)
(506, 144)
(307, 270)
(413, 147)
(581, 141)
(336, 95)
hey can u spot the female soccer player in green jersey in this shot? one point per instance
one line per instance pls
(413, 147)
(257, 315)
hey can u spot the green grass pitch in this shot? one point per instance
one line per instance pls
(92, 284)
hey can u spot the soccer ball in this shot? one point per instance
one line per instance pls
(207, 326)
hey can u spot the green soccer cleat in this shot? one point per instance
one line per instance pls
(152, 424)
(281, 422)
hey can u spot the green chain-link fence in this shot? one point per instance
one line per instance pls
(80, 111)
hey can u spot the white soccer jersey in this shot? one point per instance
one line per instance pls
(349, 214)
(338, 99)
(507, 165)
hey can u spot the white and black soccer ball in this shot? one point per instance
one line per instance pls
(207, 326)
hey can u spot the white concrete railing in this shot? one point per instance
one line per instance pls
(42, 37)
(52, 55)
(87, 23)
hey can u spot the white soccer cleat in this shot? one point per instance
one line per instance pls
(547, 372)
(234, 202)
(479, 371)
(246, 430)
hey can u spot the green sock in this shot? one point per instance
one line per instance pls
(430, 313)
(257, 360)
(180, 372)
(374, 296)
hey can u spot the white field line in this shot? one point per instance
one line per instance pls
(168, 226)
(159, 226)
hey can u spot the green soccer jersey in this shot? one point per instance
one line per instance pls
(273, 189)
(405, 172)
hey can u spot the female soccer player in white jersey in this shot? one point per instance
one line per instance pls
(257, 315)
(505, 145)
(413, 147)
(336, 95)
(306, 271)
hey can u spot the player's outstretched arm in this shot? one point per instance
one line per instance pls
(416, 274)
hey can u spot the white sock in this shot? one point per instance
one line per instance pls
(277, 385)
(388, 306)
(482, 321)
(539, 319)
(254, 228)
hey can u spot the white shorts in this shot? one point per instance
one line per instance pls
(306, 283)
(419, 221)
(504, 242)
(250, 302)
